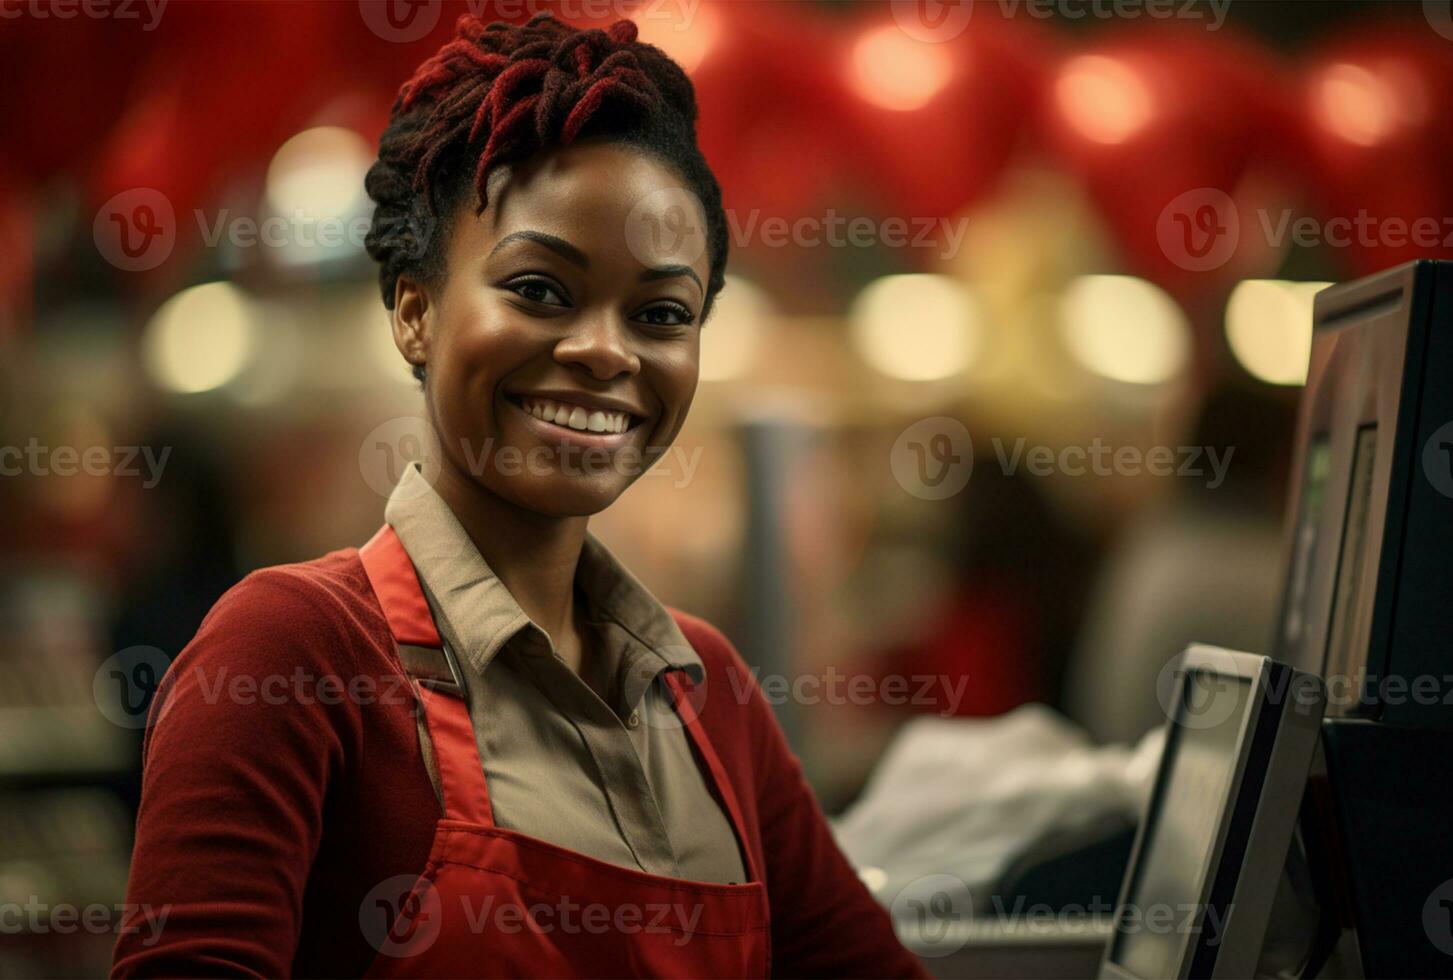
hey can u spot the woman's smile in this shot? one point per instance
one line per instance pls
(578, 419)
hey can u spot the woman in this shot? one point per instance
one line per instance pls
(477, 746)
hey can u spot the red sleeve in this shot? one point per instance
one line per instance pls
(825, 923)
(235, 776)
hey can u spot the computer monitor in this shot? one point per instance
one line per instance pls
(1213, 838)
(1371, 521)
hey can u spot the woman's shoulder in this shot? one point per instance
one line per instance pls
(726, 671)
(316, 610)
(710, 643)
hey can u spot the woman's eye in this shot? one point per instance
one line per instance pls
(666, 315)
(537, 291)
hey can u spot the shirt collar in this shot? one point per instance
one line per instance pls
(478, 614)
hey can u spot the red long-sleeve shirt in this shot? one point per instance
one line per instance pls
(283, 781)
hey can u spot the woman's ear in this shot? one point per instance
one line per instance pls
(413, 320)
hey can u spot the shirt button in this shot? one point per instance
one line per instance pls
(634, 720)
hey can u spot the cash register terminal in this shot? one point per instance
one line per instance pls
(1219, 822)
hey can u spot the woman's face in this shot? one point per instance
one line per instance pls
(561, 345)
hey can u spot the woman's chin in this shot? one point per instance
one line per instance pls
(564, 495)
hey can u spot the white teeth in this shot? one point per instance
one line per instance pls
(575, 417)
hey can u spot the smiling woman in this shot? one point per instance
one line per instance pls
(486, 748)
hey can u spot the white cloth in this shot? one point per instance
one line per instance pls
(963, 797)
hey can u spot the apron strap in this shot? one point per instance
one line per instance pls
(690, 713)
(437, 680)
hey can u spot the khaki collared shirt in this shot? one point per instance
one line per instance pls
(612, 777)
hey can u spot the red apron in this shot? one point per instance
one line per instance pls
(493, 902)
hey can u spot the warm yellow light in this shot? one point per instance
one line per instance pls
(1269, 328)
(318, 173)
(1106, 100)
(1125, 329)
(687, 35)
(1355, 104)
(731, 338)
(916, 327)
(199, 339)
(892, 70)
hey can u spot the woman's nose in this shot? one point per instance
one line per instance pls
(599, 344)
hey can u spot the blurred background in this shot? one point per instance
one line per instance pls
(1000, 394)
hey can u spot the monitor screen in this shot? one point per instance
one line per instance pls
(1347, 642)
(1304, 545)
(1180, 837)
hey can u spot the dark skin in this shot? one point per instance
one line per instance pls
(554, 292)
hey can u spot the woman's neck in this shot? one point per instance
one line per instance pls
(534, 555)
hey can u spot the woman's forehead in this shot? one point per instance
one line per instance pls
(598, 196)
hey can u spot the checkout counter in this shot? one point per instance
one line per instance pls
(1298, 825)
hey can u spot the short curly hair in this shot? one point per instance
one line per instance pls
(499, 93)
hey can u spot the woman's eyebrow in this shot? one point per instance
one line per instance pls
(671, 272)
(557, 245)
